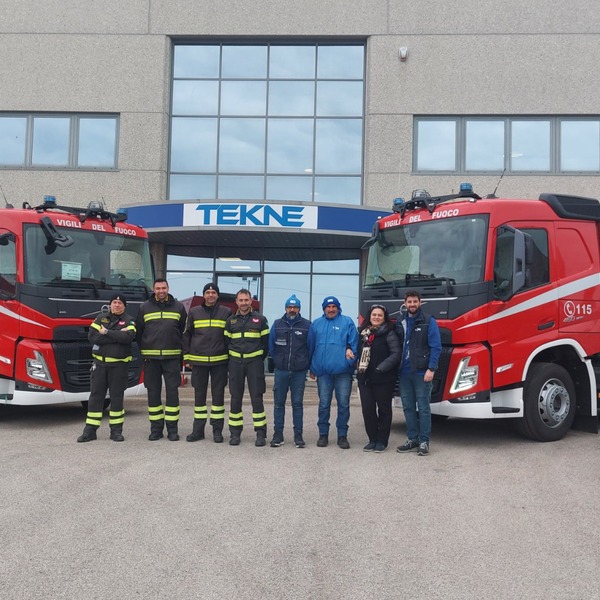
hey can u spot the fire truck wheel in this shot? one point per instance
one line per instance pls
(549, 403)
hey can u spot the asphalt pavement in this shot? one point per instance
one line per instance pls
(486, 515)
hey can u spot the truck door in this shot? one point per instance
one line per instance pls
(9, 307)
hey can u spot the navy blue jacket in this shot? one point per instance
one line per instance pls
(288, 344)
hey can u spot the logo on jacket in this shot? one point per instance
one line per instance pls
(255, 320)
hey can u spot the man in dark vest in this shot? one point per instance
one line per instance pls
(420, 339)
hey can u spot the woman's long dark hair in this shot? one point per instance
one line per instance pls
(367, 322)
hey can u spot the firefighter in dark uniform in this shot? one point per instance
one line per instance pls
(111, 335)
(247, 333)
(160, 325)
(204, 348)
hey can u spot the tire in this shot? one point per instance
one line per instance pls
(549, 403)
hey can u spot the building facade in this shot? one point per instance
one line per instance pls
(259, 142)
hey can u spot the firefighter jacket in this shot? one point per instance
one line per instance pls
(160, 327)
(114, 346)
(288, 344)
(204, 336)
(247, 336)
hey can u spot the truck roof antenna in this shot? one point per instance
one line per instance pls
(493, 194)
(5, 200)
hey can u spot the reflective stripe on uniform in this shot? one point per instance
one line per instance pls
(249, 355)
(171, 413)
(196, 358)
(200, 412)
(202, 323)
(236, 419)
(108, 359)
(153, 316)
(156, 413)
(161, 352)
(115, 417)
(94, 418)
(259, 419)
(217, 412)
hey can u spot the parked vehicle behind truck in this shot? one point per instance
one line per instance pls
(515, 287)
(59, 267)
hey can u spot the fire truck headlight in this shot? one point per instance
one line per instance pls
(465, 378)
(37, 368)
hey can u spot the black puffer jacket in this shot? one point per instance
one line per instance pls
(386, 354)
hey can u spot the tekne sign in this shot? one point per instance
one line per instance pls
(250, 215)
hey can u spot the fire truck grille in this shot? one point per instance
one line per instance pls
(440, 375)
(74, 361)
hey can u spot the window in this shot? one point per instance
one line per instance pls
(58, 141)
(267, 122)
(8, 265)
(516, 144)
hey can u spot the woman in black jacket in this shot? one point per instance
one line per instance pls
(379, 354)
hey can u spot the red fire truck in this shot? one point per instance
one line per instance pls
(515, 287)
(59, 267)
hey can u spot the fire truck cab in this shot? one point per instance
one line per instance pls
(59, 267)
(515, 287)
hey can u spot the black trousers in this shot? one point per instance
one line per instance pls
(112, 379)
(252, 371)
(154, 371)
(218, 381)
(376, 402)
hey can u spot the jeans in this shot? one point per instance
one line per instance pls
(283, 381)
(342, 384)
(416, 393)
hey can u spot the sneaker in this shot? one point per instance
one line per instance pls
(277, 440)
(322, 441)
(299, 440)
(408, 446)
(380, 447)
(369, 447)
(343, 442)
(423, 449)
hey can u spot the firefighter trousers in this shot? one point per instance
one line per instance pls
(105, 379)
(253, 371)
(154, 372)
(218, 381)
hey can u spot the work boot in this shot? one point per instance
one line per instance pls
(343, 442)
(322, 441)
(197, 431)
(88, 435)
(261, 438)
(172, 434)
(116, 433)
(234, 440)
(156, 430)
(218, 434)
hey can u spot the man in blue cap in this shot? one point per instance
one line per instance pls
(333, 345)
(288, 346)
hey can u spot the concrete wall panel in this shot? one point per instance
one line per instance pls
(269, 17)
(484, 75)
(493, 16)
(74, 16)
(84, 73)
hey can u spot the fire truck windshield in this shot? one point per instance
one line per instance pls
(95, 258)
(449, 249)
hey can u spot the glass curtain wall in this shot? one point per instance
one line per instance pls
(310, 281)
(267, 121)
